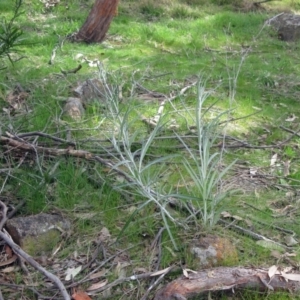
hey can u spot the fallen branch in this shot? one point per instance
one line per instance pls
(42, 134)
(254, 235)
(225, 278)
(154, 282)
(56, 152)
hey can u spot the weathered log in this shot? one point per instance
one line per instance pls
(225, 278)
(98, 21)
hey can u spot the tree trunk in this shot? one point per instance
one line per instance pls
(97, 23)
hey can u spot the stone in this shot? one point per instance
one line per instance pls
(212, 251)
(91, 90)
(287, 26)
(74, 108)
(37, 234)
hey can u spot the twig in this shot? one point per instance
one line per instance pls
(157, 242)
(23, 287)
(290, 137)
(133, 277)
(95, 254)
(294, 133)
(154, 284)
(42, 134)
(15, 210)
(153, 121)
(247, 145)
(240, 118)
(53, 54)
(32, 262)
(103, 263)
(4, 215)
(273, 18)
(252, 234)
(75, 70)
(159, 75)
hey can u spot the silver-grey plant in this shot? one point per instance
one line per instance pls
(203, 164)
(142, 176)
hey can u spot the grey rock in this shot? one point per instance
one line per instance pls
(287, 26)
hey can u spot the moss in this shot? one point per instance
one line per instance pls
(42, 244)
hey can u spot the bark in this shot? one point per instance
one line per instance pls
(98, 21)
(225, 278)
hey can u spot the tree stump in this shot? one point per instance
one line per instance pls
(98, 21)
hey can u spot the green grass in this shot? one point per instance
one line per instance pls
(160, 45)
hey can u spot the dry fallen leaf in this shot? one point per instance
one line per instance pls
(85, 216)
(81, 296)
(97, 285)
(276, 254)
(256, 108)
(237, 218)
(225, 214)
(287, 270)
(290, 241)
(8, 269)
(72, 272)
(291, 118)
(249, 223)
(104, 235)
(294, 277)
(192, 271)
(273, 160)
(98, 274)
(185, 273)
(120, 269)
(283, 104)
(286, 168)
(211, 274)
(161, 272)
(290, 194)
(290, 254)
(253, 170)
(272, 271)
(265, 283)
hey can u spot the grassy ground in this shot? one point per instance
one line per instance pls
(162, 46)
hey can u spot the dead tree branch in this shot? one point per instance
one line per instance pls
(224, 278)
